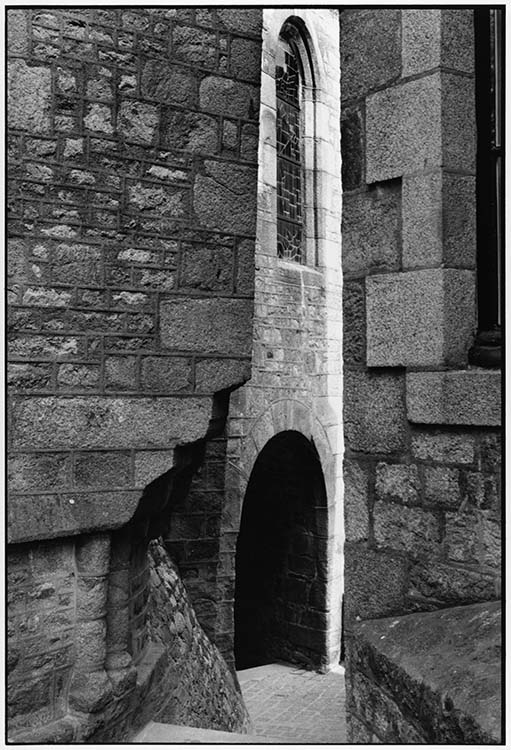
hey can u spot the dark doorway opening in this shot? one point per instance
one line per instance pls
(281, 558)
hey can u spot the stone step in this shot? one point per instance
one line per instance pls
(174, 733)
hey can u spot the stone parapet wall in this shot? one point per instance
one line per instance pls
(422, 472)
(427, 679)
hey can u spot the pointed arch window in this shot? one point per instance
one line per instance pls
(290, 153)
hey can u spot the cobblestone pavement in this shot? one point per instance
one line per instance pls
(289, 704)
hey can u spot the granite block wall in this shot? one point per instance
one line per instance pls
(422, 463)
(132, 170)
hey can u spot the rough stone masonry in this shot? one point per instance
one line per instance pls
(132, 200)
(158, 346)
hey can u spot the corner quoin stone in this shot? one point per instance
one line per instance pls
(215, 325)
(420, 318)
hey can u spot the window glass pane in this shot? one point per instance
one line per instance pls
(289, 157)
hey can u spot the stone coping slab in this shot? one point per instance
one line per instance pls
(443, 669)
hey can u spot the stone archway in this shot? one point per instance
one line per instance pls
(243, 450)
(281, 558)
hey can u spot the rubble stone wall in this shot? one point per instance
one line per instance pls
(422, 463)
(132, 189)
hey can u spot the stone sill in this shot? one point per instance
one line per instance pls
(454, 397)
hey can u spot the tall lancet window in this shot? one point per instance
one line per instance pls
(290, 172)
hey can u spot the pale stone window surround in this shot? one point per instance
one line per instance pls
(321, 145)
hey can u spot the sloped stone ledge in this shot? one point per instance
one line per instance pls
(431, 677)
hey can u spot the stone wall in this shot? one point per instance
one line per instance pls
(422, 462)
(180, 677)
(131, 219)
(296, 382)
(428, 678)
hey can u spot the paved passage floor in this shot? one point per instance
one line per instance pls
(289, 704)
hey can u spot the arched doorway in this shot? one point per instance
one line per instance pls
(281, 558)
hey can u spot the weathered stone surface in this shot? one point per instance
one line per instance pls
(420, 318)
(375, 582)
(195, 679)
(245, 21)
(447, 663)
(444, 447)
(358, 733)
(18, 40)
(458, 122)
(474, 537)
(446, 583)
(370, 49)
(356, 500)
(137, 121)
(374, 412)
(245, 271)
(482, 490)
(458, 45)
(99, 118)
(29, 97)
(39, 471)
(207, 268)
(166, 374)
(120, 373)
(422, 42)
(78, 377)
(371, 230)
(194, 46)
(218, 95)
(217, 374)
(103, 423)
(398, 483)
(403, 129)
(352, 147)
(191, 131)
(411, 530)
(207, 325)
(419, 125)
(151, 464)
(224, 198)
(354, 323)
(433, 37)
(168, 83)
(246, 59)
(109, 469)
(439, 221)
(379, 712)
(464, 397)
(45, 516)
(442, 487)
